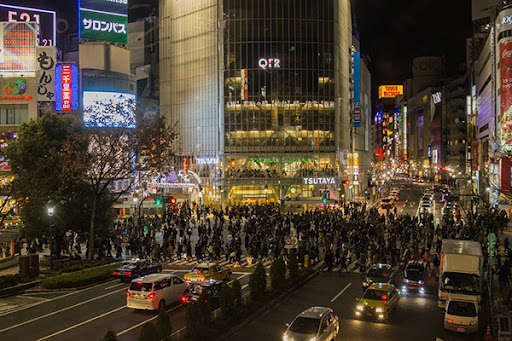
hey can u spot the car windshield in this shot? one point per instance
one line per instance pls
(459, 308)
(305, 325)
(129, 265)
(200, 270)
(378, 272)
(415, 273)
(140, 286)
(378, 295)
(452, 282)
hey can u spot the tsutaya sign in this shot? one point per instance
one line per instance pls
(320, 181)
(269, 63)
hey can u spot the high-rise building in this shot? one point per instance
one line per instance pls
(261, 92)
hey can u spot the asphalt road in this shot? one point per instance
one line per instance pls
(417, 317)
(86, 314)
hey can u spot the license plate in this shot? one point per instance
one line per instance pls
(412, 287)
(461, 330)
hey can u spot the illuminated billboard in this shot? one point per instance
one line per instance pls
(105, 20)
(46, 21)
(506, 91)
(109, 109)
(390, 91)
(18, 41)
(66, 87)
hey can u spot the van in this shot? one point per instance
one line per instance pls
(155, 291)
(461, 314)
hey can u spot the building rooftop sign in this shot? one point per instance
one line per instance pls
(390, 91)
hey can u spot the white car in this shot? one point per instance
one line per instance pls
(155, 291)
(316, 323)
(461, 314)
(425, 207)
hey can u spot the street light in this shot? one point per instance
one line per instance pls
(50, 208)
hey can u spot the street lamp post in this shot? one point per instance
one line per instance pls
(50, 208)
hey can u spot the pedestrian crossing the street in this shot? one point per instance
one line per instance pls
(352, 268)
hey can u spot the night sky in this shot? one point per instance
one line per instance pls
(393, 32)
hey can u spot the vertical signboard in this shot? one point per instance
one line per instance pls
(46, 21)
(357, 89)
(18, 47)
(105, 20)
(66, 87)
(244, 91)
(46, 58)
(506, 92)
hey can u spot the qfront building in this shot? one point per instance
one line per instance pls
(262, 93)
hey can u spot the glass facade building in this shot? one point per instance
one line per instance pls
(263, 88)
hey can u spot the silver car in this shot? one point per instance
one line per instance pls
(316, 323)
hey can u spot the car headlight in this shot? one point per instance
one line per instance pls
(312, 339)
(285, 337)
(379, 310)
(360, 307)
(474, 323)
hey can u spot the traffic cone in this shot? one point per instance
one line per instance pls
(488, 335)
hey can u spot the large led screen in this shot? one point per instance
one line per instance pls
(109, 109)
(46, 21)
(18, 41)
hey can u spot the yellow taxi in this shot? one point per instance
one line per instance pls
(208, 272)
(378, 301)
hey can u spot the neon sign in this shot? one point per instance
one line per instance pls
(16, 88)
(66, 87)
(319, 181)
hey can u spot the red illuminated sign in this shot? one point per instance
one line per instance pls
(66, 87)
(16, 98)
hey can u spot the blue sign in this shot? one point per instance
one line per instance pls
(357, 89)
(66, 87)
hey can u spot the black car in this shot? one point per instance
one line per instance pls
(136, 268)
(415, 274)
(210, 288)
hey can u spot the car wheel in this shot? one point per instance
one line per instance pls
(161, 305)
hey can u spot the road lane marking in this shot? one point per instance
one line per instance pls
(341, 292)
(244, 275)
(244, 286)
(59, 311)
(53, 299)
(81, 323)
(148, 320)
(115, 285)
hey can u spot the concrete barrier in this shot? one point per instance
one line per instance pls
(9, 262)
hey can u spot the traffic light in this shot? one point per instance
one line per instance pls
(158, 202)
(325, 196)
(172, 201)
(346, 182)
(324, 200)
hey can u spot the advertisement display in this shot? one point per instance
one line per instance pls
(357, 89)
(46, 58)
(66, 87)
(244, 91)
(18, 43)
(46, 21)
(109, 109)
(105, 20)
(390, 91)
(506, 92)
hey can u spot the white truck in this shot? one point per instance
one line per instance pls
(460, 270)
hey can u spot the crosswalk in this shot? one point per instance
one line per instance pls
(320, 266)
(244, 262)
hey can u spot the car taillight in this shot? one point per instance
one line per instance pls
(200, 279)
(115, 273)
(448, 321)
(184, 299)
(150, 296)
(129, 295)
(384, 298)
(128, 274)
